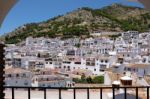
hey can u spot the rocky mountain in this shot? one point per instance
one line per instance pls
(82, 21)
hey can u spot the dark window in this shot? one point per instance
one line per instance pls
(77, 62)
(94, 69)
(129, 69)
(9, 75)
(17, 75)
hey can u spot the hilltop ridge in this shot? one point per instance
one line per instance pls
(115, 17)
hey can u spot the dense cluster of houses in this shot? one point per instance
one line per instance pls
(93, 56)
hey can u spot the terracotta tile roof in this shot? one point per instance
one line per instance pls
(138, 65)
(15, 71)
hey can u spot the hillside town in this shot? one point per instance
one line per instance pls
(54, 62)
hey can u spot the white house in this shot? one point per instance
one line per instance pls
(18, 77)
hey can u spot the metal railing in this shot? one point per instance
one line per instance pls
(29, 89)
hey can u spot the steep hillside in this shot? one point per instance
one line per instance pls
(80, 22)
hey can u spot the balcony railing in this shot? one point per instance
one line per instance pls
(114, 89)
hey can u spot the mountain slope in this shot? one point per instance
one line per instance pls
(80, 22)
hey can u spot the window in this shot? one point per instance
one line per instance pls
(9, 75)
(77, 62)
(64, 67)
(94, 69)
(129, 69)
(101, 61)
(24, 75)
(17, 75)
(106, 61)
(144, 60)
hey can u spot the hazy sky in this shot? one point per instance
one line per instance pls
(27, 11)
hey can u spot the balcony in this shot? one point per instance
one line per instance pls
(128, 92)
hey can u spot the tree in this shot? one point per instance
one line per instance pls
(78, 45)
(98, 79)
(89, 79)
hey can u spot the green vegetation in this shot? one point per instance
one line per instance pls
(78, 23)
(78, 45)
(89, 80)
(114, 36)
(75, 31)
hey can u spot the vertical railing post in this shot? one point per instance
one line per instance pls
(113, 89)
(137, 93)
(45, 93)
(147, 92)
(125, 93)
(13, 94)
(29, 94)
(2, 63)
(88, 93)
(74, 93)
(59, 93)
(101, 94)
